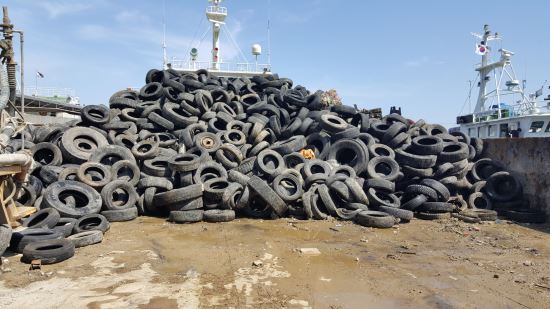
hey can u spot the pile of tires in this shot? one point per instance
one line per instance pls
(194, 147)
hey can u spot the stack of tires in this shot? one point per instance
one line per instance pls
(194, 147)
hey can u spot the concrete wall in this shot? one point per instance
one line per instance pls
(529, 160)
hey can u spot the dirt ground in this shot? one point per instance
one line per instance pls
(148, 263)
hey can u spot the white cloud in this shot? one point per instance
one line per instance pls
(424, 60)
(58, 8)
(131, 16)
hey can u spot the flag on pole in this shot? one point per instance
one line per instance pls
(39, 75)
(538, 93)
(481, 49)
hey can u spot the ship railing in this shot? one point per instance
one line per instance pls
(216, 9)
(244, 67)
(511, 111)
(48, 92)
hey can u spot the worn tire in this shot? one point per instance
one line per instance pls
(87, 238)
(48, 251)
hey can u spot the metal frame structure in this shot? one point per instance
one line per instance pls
(506, 83)
(216, 15)
(491, 118)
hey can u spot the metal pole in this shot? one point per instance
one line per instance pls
(22, 81)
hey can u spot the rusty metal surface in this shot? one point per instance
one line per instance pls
(528, 159)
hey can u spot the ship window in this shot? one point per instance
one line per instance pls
(504, 130)
(492, 131)
(547, 127)
(472, 132)
(536, 126)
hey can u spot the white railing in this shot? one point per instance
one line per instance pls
(511, 111)
(49, 92)
(216, 9)
(243, 67)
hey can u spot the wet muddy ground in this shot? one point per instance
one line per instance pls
(148, 263)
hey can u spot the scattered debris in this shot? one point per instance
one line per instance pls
(309, 251)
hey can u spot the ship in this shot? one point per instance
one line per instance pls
(503, 108)
(216, 15)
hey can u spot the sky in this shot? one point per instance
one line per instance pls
(417, 55)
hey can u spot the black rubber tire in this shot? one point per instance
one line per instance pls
(288, 187)
(479, 200)
(214, 189)
(238, 177)
(502, 187)
(349, 152)
(5, 237)
(267, 195)
(95, 114)
(121, 215)
(290, 145)
(453, 152)
(316, 166)
(416, 161)
(49, 173)
(437, 207)
(188, 216)
(432, 216)
(356, 191)
(525, 215)
(269, 163)
(208, 171)
(482, 214)
(68, 173)
(332, 124)
(65, 226)
(95, 175)
(178, 196)
(416, 189)
(376, 219)
(126, 171)
(426, 145)
(157, 167)
(111, 154)
(219, 215)
(415, 202)
(87, 200)
(379, 184)
(156, 182)
(44, 218)
(48, 251)
(19, 240)
(229, 155)
(383, 167)
(381, 198)
(47, 154)
(443, 193)
(75, 153)
(146, 149)
(184, 162)
(87, 238)
(118, 195)
(403, 214)
(412, 172)
(380, 150)
(94, 222)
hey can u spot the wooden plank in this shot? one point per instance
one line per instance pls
(10, 170)
(23, 211)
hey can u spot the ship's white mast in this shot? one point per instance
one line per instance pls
(483, 71)
(164, 57)
(216, 14)
(506, 85)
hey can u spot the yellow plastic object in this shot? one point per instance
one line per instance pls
(307, 153)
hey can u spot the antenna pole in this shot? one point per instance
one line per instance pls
(269, 34)
(483, 71)
(164, 58)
